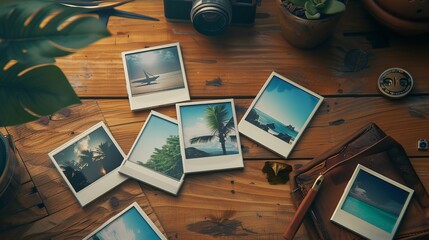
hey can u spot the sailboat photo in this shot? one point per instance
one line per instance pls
(148, 79)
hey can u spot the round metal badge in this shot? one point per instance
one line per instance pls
(395, 83)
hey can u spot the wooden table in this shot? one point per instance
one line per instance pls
(234, 204)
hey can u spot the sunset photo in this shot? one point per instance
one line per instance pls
(89, 159)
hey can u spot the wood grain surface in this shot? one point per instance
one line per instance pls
(233, 204)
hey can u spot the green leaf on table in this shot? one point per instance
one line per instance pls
(36, 32)
(28, 93)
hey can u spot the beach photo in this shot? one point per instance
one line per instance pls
(131, 223)
(375, 200)
(155, 158)
(279, 114)
(153, 72)
(93, 156)
(209, 131)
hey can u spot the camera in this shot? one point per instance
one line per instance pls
(422, 144)
(211, 17)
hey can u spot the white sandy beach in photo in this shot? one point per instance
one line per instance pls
(165, 81)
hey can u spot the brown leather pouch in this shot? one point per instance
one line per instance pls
(372, 148)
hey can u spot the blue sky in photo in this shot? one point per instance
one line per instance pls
(154, 62)
(194, 125)
(155, 135)
(130, 225)
(286, 103)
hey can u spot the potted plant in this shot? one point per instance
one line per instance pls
(308, 23)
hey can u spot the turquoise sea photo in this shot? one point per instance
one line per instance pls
(375, 201)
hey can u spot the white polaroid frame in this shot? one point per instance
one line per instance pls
(99, 186)
(207, 163)
(343, 216)
(147, 175)
(154, 95)
(268, 137)
(145, 217)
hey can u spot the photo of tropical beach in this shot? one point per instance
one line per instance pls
(154, 70)
(282, 109)
(130, 225)
(208, 130)
(89, 159)
(375, 201)
(158, 148)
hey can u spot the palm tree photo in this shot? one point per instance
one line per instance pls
(220, 124)
(210, 130)
(89, 159)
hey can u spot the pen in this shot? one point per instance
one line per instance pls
(302, 209)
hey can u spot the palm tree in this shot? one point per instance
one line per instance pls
(86, 158)
(219, 124)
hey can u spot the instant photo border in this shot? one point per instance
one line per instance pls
(142, 214)
(360, 226)
(148, 175)
(264, 137)
(210, 163)
(101, 185)
(156, 98)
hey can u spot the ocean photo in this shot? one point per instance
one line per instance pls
(370, 214)
(158, 148)
(282, 109)
(271, 125)
(130, 225)
(89, 159)
(375, 201)
(154, 70)
(208, 130)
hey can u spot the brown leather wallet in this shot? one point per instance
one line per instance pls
(371, 148)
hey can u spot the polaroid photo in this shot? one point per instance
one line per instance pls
(131, 223)
(155, 156)
(89, 163)
(209, 138)
(279, 114)
(155, 76)
(372, 205)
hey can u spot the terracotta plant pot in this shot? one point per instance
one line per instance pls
(304, 33)
(404, 17)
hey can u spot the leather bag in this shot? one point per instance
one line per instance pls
(371, 148)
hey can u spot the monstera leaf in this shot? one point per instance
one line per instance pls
(26, 94)
(32, 34)
(35, 32)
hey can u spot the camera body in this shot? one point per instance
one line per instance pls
(422, 144)
(203, 12)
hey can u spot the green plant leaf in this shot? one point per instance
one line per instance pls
(28, 93)
(310, 8)
(312, 17)
(333, 7)
(36, 32)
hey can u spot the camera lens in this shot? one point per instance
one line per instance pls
(211, 17)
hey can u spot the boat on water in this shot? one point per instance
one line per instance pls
(148, 79)
(271, 131)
